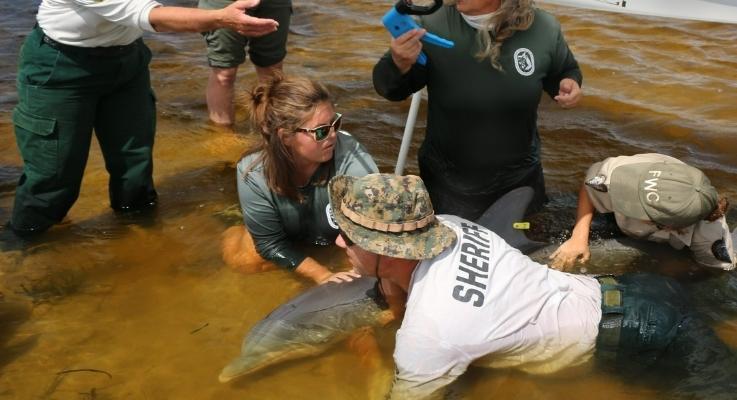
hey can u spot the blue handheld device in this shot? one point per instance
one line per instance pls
(398, 21)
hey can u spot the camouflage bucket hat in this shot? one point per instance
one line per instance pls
(389, 214)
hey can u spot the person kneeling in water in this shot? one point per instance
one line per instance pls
(282, 184)
(653, 197)
(472, 298)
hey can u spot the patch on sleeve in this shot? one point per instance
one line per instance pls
(330, 217)
(597, 183)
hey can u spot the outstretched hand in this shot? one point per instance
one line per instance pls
(343, 276)
(234, 16)
(565, 257)
(569, 93)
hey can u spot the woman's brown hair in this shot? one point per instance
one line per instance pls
(279, 106)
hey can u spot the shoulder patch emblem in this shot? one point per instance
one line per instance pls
(331, 219)
(597, 183)
(524, 61)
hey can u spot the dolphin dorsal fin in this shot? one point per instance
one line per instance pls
(501, 216)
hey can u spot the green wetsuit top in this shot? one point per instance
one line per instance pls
(276, 222)
(482, 122)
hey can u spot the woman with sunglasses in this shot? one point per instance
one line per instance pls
(482, 139)
(282, 185)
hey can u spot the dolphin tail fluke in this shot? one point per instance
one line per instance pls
(501, 217)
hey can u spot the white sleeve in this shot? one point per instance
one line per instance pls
(424, 366)
(131, 13)
(712, 245)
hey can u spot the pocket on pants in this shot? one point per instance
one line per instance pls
(38, 62)
(38, 142)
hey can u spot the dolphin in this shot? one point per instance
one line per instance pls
(607, 255)
(323, 315)
(310, 324)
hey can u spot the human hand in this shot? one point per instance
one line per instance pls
(234, 17)
(406, 48)
(569, 93)
(566, 255)
(343, 276)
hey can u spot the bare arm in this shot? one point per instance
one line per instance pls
(577, 247)
(185, 19)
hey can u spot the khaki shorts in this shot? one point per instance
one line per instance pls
(227, 48)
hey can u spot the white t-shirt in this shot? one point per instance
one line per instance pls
(95, 23)
(483, 302)
(699, 237)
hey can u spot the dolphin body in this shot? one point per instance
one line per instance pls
(607, 255)
(323, 315)
(309, 324)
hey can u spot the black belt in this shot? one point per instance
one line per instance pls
(610, 327)
(110, 51)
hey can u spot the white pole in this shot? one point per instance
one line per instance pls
(409, 127)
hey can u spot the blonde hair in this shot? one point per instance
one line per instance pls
(512, 16)
(279, 106)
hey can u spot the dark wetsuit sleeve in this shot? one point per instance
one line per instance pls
(563, 65)
(263, 221)
(392, 85)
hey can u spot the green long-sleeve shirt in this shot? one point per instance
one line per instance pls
(277, 222)
(482, 122)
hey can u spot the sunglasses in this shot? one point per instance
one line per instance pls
(322, 132)
(348, 242)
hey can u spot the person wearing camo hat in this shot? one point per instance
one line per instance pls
(472, 298)
(653, 197)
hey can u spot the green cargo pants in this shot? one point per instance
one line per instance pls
(65, 92)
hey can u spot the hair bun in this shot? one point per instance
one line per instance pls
(262, 91)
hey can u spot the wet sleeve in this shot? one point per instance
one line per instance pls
(392, 85)
(264, 223)
(130, 13)
(563, 65)
(424, 367)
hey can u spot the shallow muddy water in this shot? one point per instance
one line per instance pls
(144, 308)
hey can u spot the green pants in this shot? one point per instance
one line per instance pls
(64, 93)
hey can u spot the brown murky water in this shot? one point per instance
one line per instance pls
(154, 306)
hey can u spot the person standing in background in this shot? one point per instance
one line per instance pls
(84, 67)
(226, 50)
(482, 139)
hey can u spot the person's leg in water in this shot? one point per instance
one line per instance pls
(219, 95)
(57, 100)
(662, 341)
(226, 51)
(125, 127)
